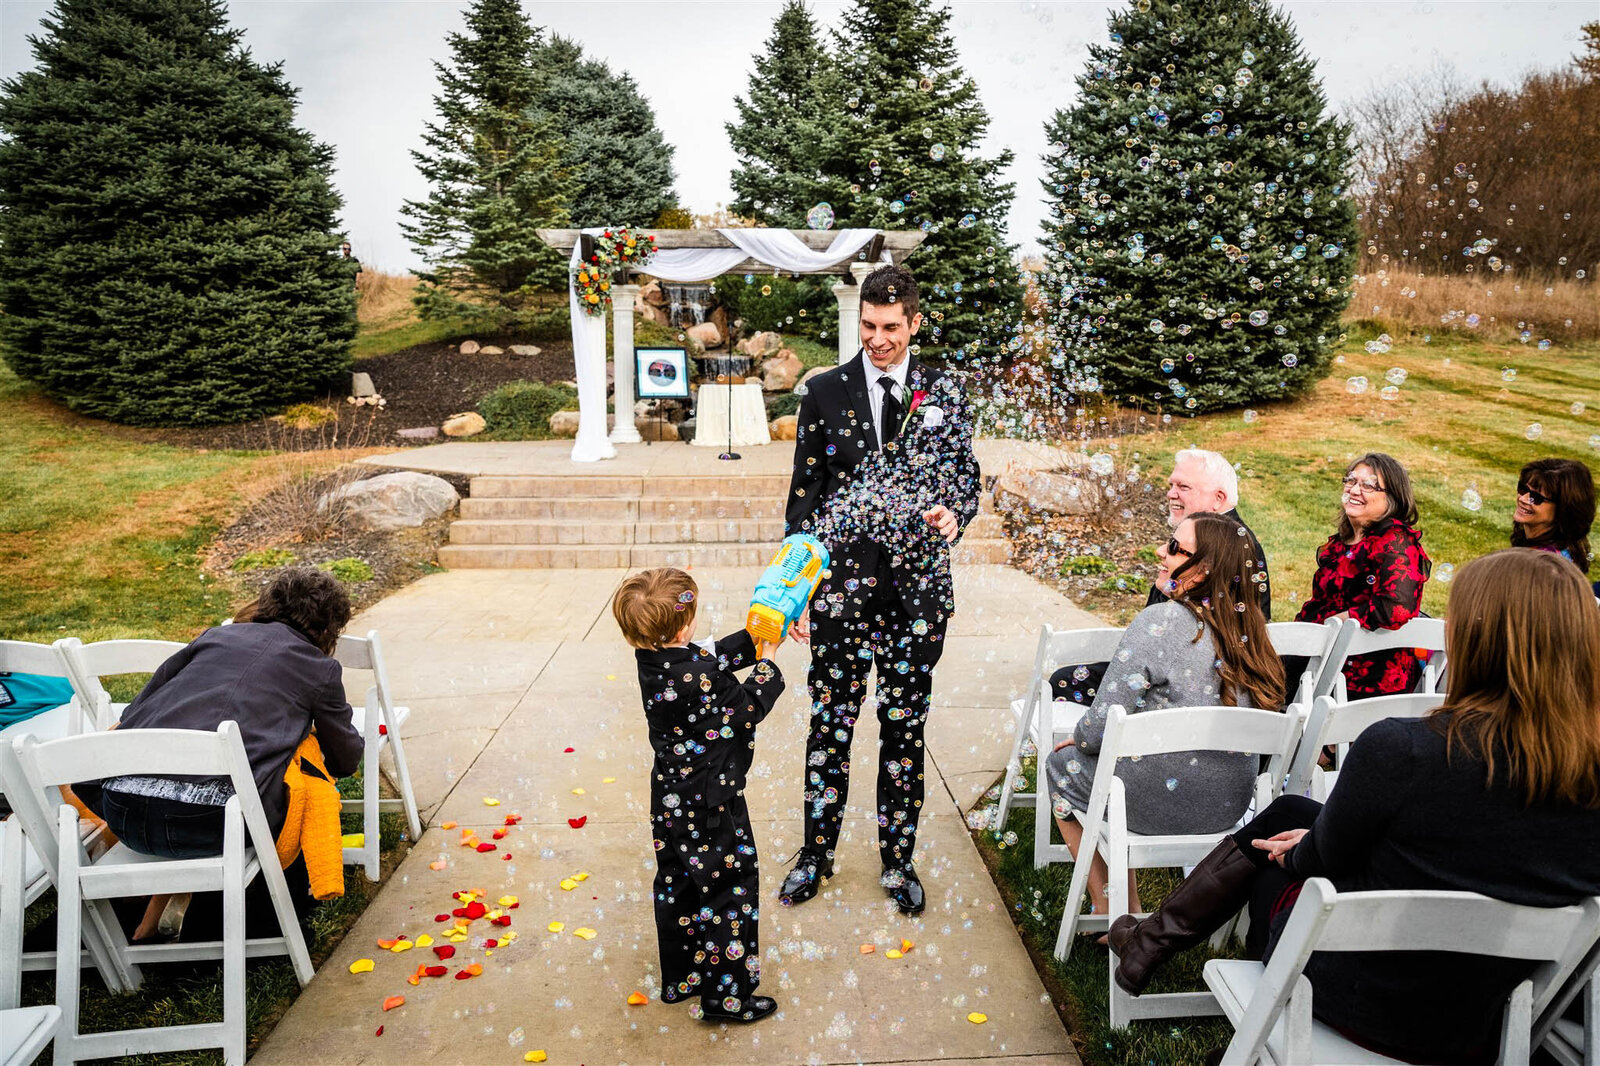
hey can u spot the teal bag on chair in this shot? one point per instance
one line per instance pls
(24, 695)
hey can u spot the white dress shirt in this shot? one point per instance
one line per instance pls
(875, 391)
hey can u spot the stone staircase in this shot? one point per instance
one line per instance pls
(558, 521)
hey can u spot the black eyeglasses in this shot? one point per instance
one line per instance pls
(1174, 548)
(1365, 485)
(1535, 497)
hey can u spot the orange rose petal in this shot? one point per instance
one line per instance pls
(906, 945)
(394, 1001)
(868, 949)
(438, 864)
(447, 825)
(416, 978)
(637, 999)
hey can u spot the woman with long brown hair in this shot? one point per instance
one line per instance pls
(1555, 509)
(1496, 792)
(1206, 646)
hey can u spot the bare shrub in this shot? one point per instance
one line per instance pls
(291, 511)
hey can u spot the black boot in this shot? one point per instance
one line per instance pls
(1198, 907)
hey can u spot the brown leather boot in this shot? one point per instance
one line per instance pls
(1198, 907)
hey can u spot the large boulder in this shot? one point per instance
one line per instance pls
(655, 429)
(564, 424)
(469, 347)
(705, 334)
(651, 313)
(1045, 492)
(650, 294)
(784, 427)
(392, 501)
(758, 345)
(361, 385)
(805, 379)
(465, 424)
(781, 372)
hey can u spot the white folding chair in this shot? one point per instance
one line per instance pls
(83, 886)
(379, 722)
(24, 1032)
(88, 663)
(1317, 644)
(1424, 633)
(1270, 1006)
(1573, 1043)
(1105, 823)
(1332, 722)
(24, 657)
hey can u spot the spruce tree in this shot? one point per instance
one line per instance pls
(494, 161)
(166, 232)
(620, 163)
(1202, 237)
(780, 125)
(902, 127)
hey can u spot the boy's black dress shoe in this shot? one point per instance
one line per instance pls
(750, 1010)
(801, 883)
(904, 888)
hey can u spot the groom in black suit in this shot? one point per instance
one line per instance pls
(888, 595)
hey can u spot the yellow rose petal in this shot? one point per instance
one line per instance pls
(535, 1056)
(353, 840)
(402, 945)
(579, 792)
(893, 954)
(586, 933)
(507, 901)
(568, 884)
(607, 780)
(424, 940)
(581, 876)
(490, 801)
(361, 966)
(977, 1019)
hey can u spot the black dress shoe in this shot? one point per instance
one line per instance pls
(802, 882)
(752, 1009)
(904, 888)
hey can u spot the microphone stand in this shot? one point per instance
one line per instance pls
(730, 453)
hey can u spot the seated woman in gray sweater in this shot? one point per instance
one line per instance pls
(1206, 646)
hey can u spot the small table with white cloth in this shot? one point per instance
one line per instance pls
(749, 416)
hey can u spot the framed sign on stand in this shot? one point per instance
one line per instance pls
(662, 374)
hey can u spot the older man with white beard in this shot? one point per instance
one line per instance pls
(1201, 481)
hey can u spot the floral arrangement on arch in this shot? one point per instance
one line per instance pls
(613, 250)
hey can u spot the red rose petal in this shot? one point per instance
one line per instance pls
(577, 823)
(437, 971)
(476, 910)
(383, 730)
(569, 751)
(491, 943)
(459, 912)
(485, 846)
(444, 951)
(504, 919)
(441, 917)
(506, 857)
(379, 1032)
(500, 834)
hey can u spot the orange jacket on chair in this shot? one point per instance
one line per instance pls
(312, 825)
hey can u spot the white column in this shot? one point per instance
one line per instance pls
(849, 297)
(623, 298)
(589, 360)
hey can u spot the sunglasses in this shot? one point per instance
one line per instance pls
(1365, 485)
(1174, 548)
(1535, 497)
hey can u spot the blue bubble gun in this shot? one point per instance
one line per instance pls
(786, 587)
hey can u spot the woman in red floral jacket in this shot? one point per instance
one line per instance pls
(1373, 570)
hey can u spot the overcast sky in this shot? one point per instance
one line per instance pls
(366, 78)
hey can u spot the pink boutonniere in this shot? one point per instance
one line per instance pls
(917, 397)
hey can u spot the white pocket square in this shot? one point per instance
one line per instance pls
(932, 416)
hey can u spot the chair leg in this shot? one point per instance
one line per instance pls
(371, 790)
(69, 916)
(13, 869)
(1014, 763)
(233, 939)
(402, 774)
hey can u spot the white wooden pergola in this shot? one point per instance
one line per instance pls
(887, 246)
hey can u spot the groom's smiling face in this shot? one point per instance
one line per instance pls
(886, 333)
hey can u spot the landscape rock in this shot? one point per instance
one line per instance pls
(705, 334)
(784, 427)
(805, 379)
(651, 313)
(491, 349)
(525, 349)
(564, 424)
(361, 385)
(418, 433)
(1046, 492)
(761, 344)
(393, 501)
(650, 293)
(652, 429)
(465, 424)
(469, 347)
(782, 371)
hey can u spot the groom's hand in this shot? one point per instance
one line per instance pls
(944, 520)
(801, 629)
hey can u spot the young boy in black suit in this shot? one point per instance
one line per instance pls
(702, 729)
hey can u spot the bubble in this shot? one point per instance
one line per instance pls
(1168, 365)
(1249, 416)
(766, 290)
(1243, 76)
(1444, 572)
(1332, 250)
(1534, 431)
(820, 216)
(1156, 325)
(1172, 784)
(1544, 346)
(1396, 375)
(1389, 392)
(968, 221)
(1355, 386)
(1508, 374)
(936, 153)
(1010, 839)
(897, 207)
(1258, 318)
(925, 85)
(1297, 252)
(1291, 360)
(1577, 408)
(1102, 464)
(1471, 500)
(516, 1037)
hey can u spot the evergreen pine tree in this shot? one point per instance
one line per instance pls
(166, 232)
(1200, 247)
(902, 126)
(620, 162)
(779, 126)
(494, 161)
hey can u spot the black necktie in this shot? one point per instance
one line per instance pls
(892, 413)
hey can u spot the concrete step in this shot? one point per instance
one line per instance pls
(610, 509)
(734, 486)
(568, 556)
(761, 532)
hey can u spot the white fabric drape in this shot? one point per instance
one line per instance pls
(777, 248)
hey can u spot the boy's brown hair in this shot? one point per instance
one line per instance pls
(653, 606)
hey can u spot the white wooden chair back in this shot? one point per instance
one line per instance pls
(88, 663)
(1569, 1042)
(26, 657)
(380, 721)
(1324, 920)
(1272, 734)
(1312, 641)
(1424, 633)
(25, 1031)
(1338, 724)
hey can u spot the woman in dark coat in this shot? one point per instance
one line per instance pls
(1555, 509)
(1373, 570)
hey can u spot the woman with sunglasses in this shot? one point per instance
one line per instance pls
(1373, 570)
(1206, 646)
(1555, 508)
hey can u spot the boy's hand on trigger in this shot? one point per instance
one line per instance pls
(801, 628)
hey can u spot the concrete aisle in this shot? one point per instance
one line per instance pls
(522, 691)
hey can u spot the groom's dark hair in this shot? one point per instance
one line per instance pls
(891, 286)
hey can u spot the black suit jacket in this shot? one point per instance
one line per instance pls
(835, 433)
(1263, 588)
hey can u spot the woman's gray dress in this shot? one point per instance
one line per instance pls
(1158, 665)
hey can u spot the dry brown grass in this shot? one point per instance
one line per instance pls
(1504, 304)
(383, 298)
